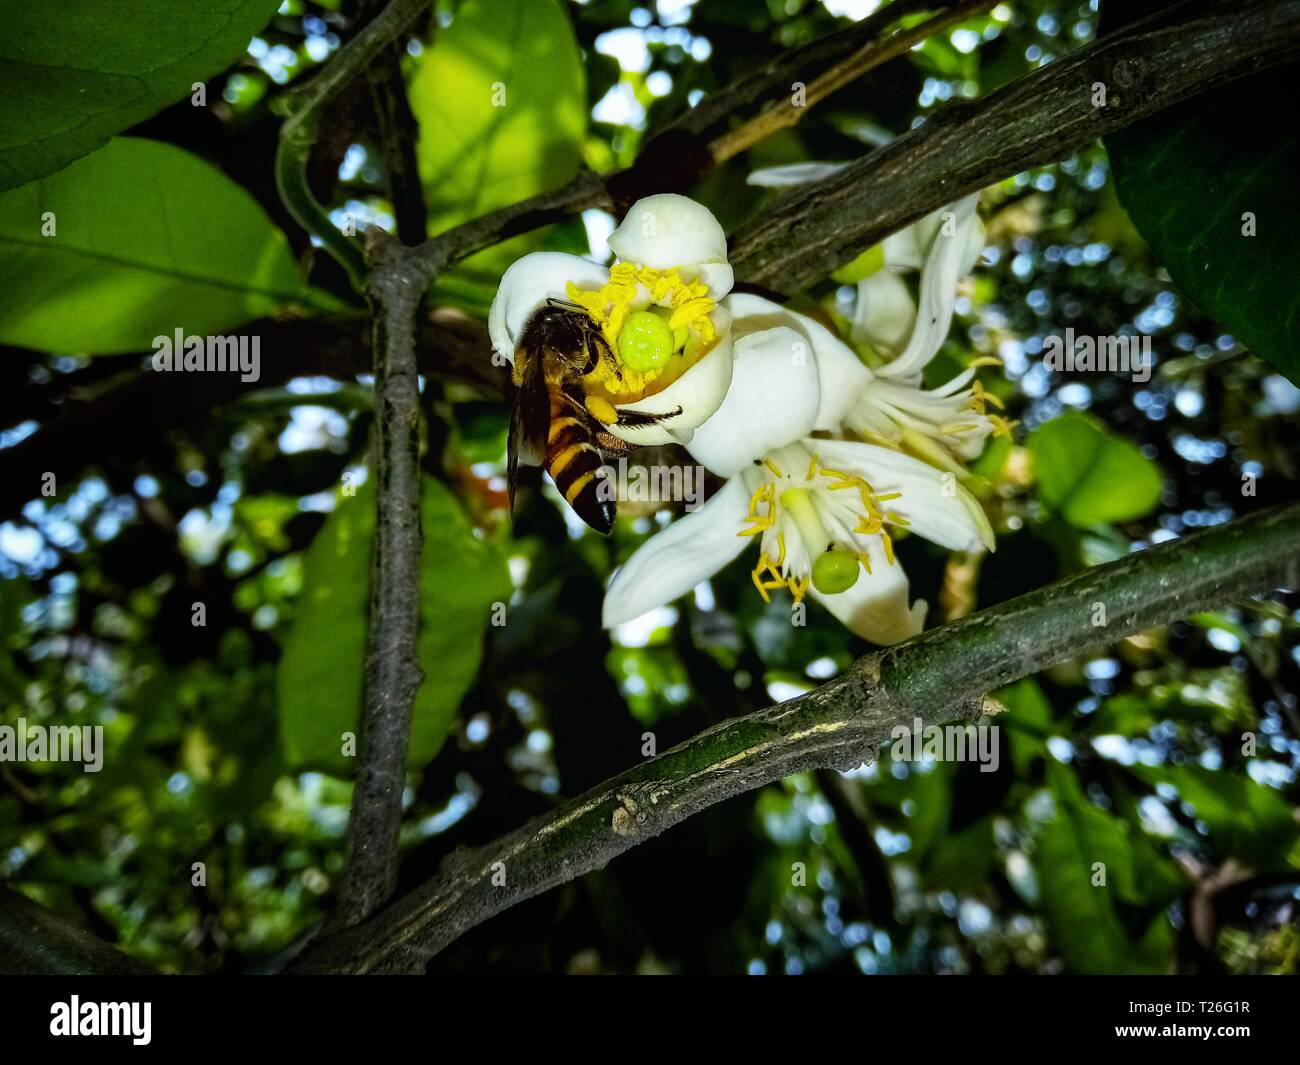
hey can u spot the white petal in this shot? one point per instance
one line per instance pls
(699, 392)
(776, 177)
(676, 559)
(876, 607)
(884, 313)
(841, 374)
(667, 231)
(772, 402)
(718, 276)
(905, 250)
(935, 506)
(943, 265)
(527, 284)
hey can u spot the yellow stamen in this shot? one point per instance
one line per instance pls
(776, 470)
(1002, 426)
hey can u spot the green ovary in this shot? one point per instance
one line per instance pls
(645, 342)
(835, 571)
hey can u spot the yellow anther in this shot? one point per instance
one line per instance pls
(812, 469)
(980, 396)
(776, 470)
(1002, 426)
(764, 495)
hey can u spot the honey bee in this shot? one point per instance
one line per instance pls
(551, 424)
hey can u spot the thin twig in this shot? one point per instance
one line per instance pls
(939, 677)
(871, 55)
(301, 130)
(399, 133)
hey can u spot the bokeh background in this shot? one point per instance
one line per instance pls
(222, 739)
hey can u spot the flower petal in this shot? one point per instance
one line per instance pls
(777, 177)
(948, 253)
(527, 284)
(841, 374)
(676, 559)
(934, 505)
(699, 392)
(876, 607)
(668, 231)
(884, 313)
(772, 401)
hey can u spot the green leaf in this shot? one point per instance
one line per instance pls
(144, 239)
(1245, 819)
(501, 101)
(1092, 923)
(1089, 475)
(75, 74)
(1193, 179)
(321, 672)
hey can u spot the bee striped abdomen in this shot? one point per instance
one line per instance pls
(574, 462)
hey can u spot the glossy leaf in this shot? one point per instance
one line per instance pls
(321, 675)
(1210, 185)
(75, 74)
(135, 241)
(1090, 476)
(1091, 921)
(501, 102)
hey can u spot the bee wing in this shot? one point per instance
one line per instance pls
(530, 418)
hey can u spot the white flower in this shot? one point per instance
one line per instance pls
(894, 409)
(672, 263)
(821, 510)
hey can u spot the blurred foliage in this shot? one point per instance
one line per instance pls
(1170, 760)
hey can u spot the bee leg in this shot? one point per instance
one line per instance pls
(637, 419)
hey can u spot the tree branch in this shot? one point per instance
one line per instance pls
(35, 941)
(940, 676)
(1039, 119)
(393, 671)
